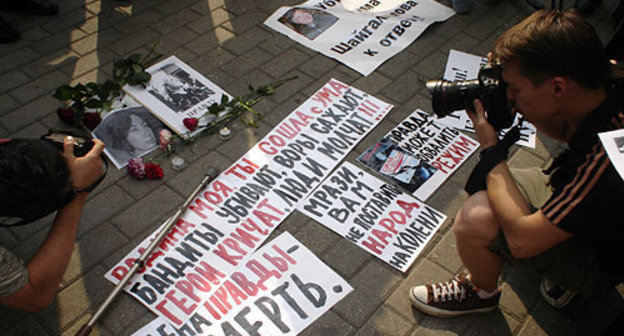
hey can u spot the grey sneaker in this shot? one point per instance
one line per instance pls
(452, 298)
(556, 296)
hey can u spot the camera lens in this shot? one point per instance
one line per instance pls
(447, 97)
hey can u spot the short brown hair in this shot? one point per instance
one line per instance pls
(555, 43)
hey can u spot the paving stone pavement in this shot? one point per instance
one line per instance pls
(226, 41)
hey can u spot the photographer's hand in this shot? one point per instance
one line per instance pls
(84, 170)
(485, 131)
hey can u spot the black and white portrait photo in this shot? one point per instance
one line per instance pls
(128, 133)
(175, 88)
(619, 142)
(307, 21)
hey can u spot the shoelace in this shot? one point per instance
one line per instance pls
(448, 290)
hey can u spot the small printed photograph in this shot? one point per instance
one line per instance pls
(397, 165)
(175, 88)
(307, 21)
(128, 133)
(619, 142)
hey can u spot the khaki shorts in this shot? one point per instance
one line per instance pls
(573, 263)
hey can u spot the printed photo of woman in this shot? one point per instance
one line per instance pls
(128, 133)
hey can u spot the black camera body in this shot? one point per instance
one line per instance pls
(82, 145)
(489, 87)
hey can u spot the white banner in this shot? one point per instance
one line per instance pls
(281, 290)
(440, 150)
(362, 34)
(243, 205)
(374, 215)
(461, 66)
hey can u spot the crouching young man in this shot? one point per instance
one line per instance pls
(567, 224)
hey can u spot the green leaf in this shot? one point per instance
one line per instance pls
(117, 73)
(107, 105)
(135, 58)
(251, 88)
(141, 77)
(224, 99)
(80, 88)
(94, 103)
(137, 68)
(266, 90)
(64, 93)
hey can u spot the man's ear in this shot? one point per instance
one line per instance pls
(559, 86)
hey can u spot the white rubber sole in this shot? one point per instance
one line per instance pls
(433, 311)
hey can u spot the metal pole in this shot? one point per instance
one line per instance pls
(86, 329)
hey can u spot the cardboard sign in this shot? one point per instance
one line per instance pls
(462, 66)
(280, 290)
(236, 212)
(613, 143)
(362, 37)
(374, 215)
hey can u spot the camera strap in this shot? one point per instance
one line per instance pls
(489, 158)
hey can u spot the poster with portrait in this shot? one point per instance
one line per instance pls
(374, 215)
(128, 133)
(613, 143)
(296, 289)
(394, 163)
(462, 66)
(361, 34)
(176, 91)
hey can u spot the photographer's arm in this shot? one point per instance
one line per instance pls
(47, 266)
(528, 233)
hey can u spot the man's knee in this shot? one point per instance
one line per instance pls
(475, 219)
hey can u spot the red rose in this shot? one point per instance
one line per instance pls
(190, 123)
(153, 171)
(66, 115)
(91, 120)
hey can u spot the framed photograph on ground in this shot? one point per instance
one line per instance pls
(176, 91)
(128, 133)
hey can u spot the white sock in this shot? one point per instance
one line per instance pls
(483, 294)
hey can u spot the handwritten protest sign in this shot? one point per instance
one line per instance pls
(242, 206)
(373, 215)
(176, 91)
(361, 37)
(461, 66)
(280, 290)
(441, 147)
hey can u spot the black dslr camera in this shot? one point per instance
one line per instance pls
(489, 87)
(82, 144)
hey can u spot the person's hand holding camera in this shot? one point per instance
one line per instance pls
(85, 170)
(485, 131)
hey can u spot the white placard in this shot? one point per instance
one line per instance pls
(362, 37)
(176, 91)
(281, 290)
(463, 66)
(374, 215)
(443, 148)
(235, 213)
(613, 143)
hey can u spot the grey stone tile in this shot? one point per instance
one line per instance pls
(277, 44)
(277, 112)
(82, 64)
(210, 60)
(91, 249)
(43, 85)
(123, 312)
(27, 326)
(139, 21)
(72, 302)
(12, 79)
(140, 38)
(432, 66)
(445, 253)
(493, 323)
(170, 42)
(170, 7)
(246, 63)
(29, 113)
(372, 84)
(405, 87)
(240, 143)
(146, 211)
(7, 104)
(328, 324)
(430, 326)
(246, 40)
(291, 88)
(96, 331)
(33, 130)
(102, 207)
(210, 41)
(209, 20)
(316, 237)
(138, 324)
(398, 64)
(246, 20)
(282, 65)
(172, 22)
(317, 66)
(186, 182)
(72, 19)
(346, 258)
(371, 285)
(17, 58)
(385, 322)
